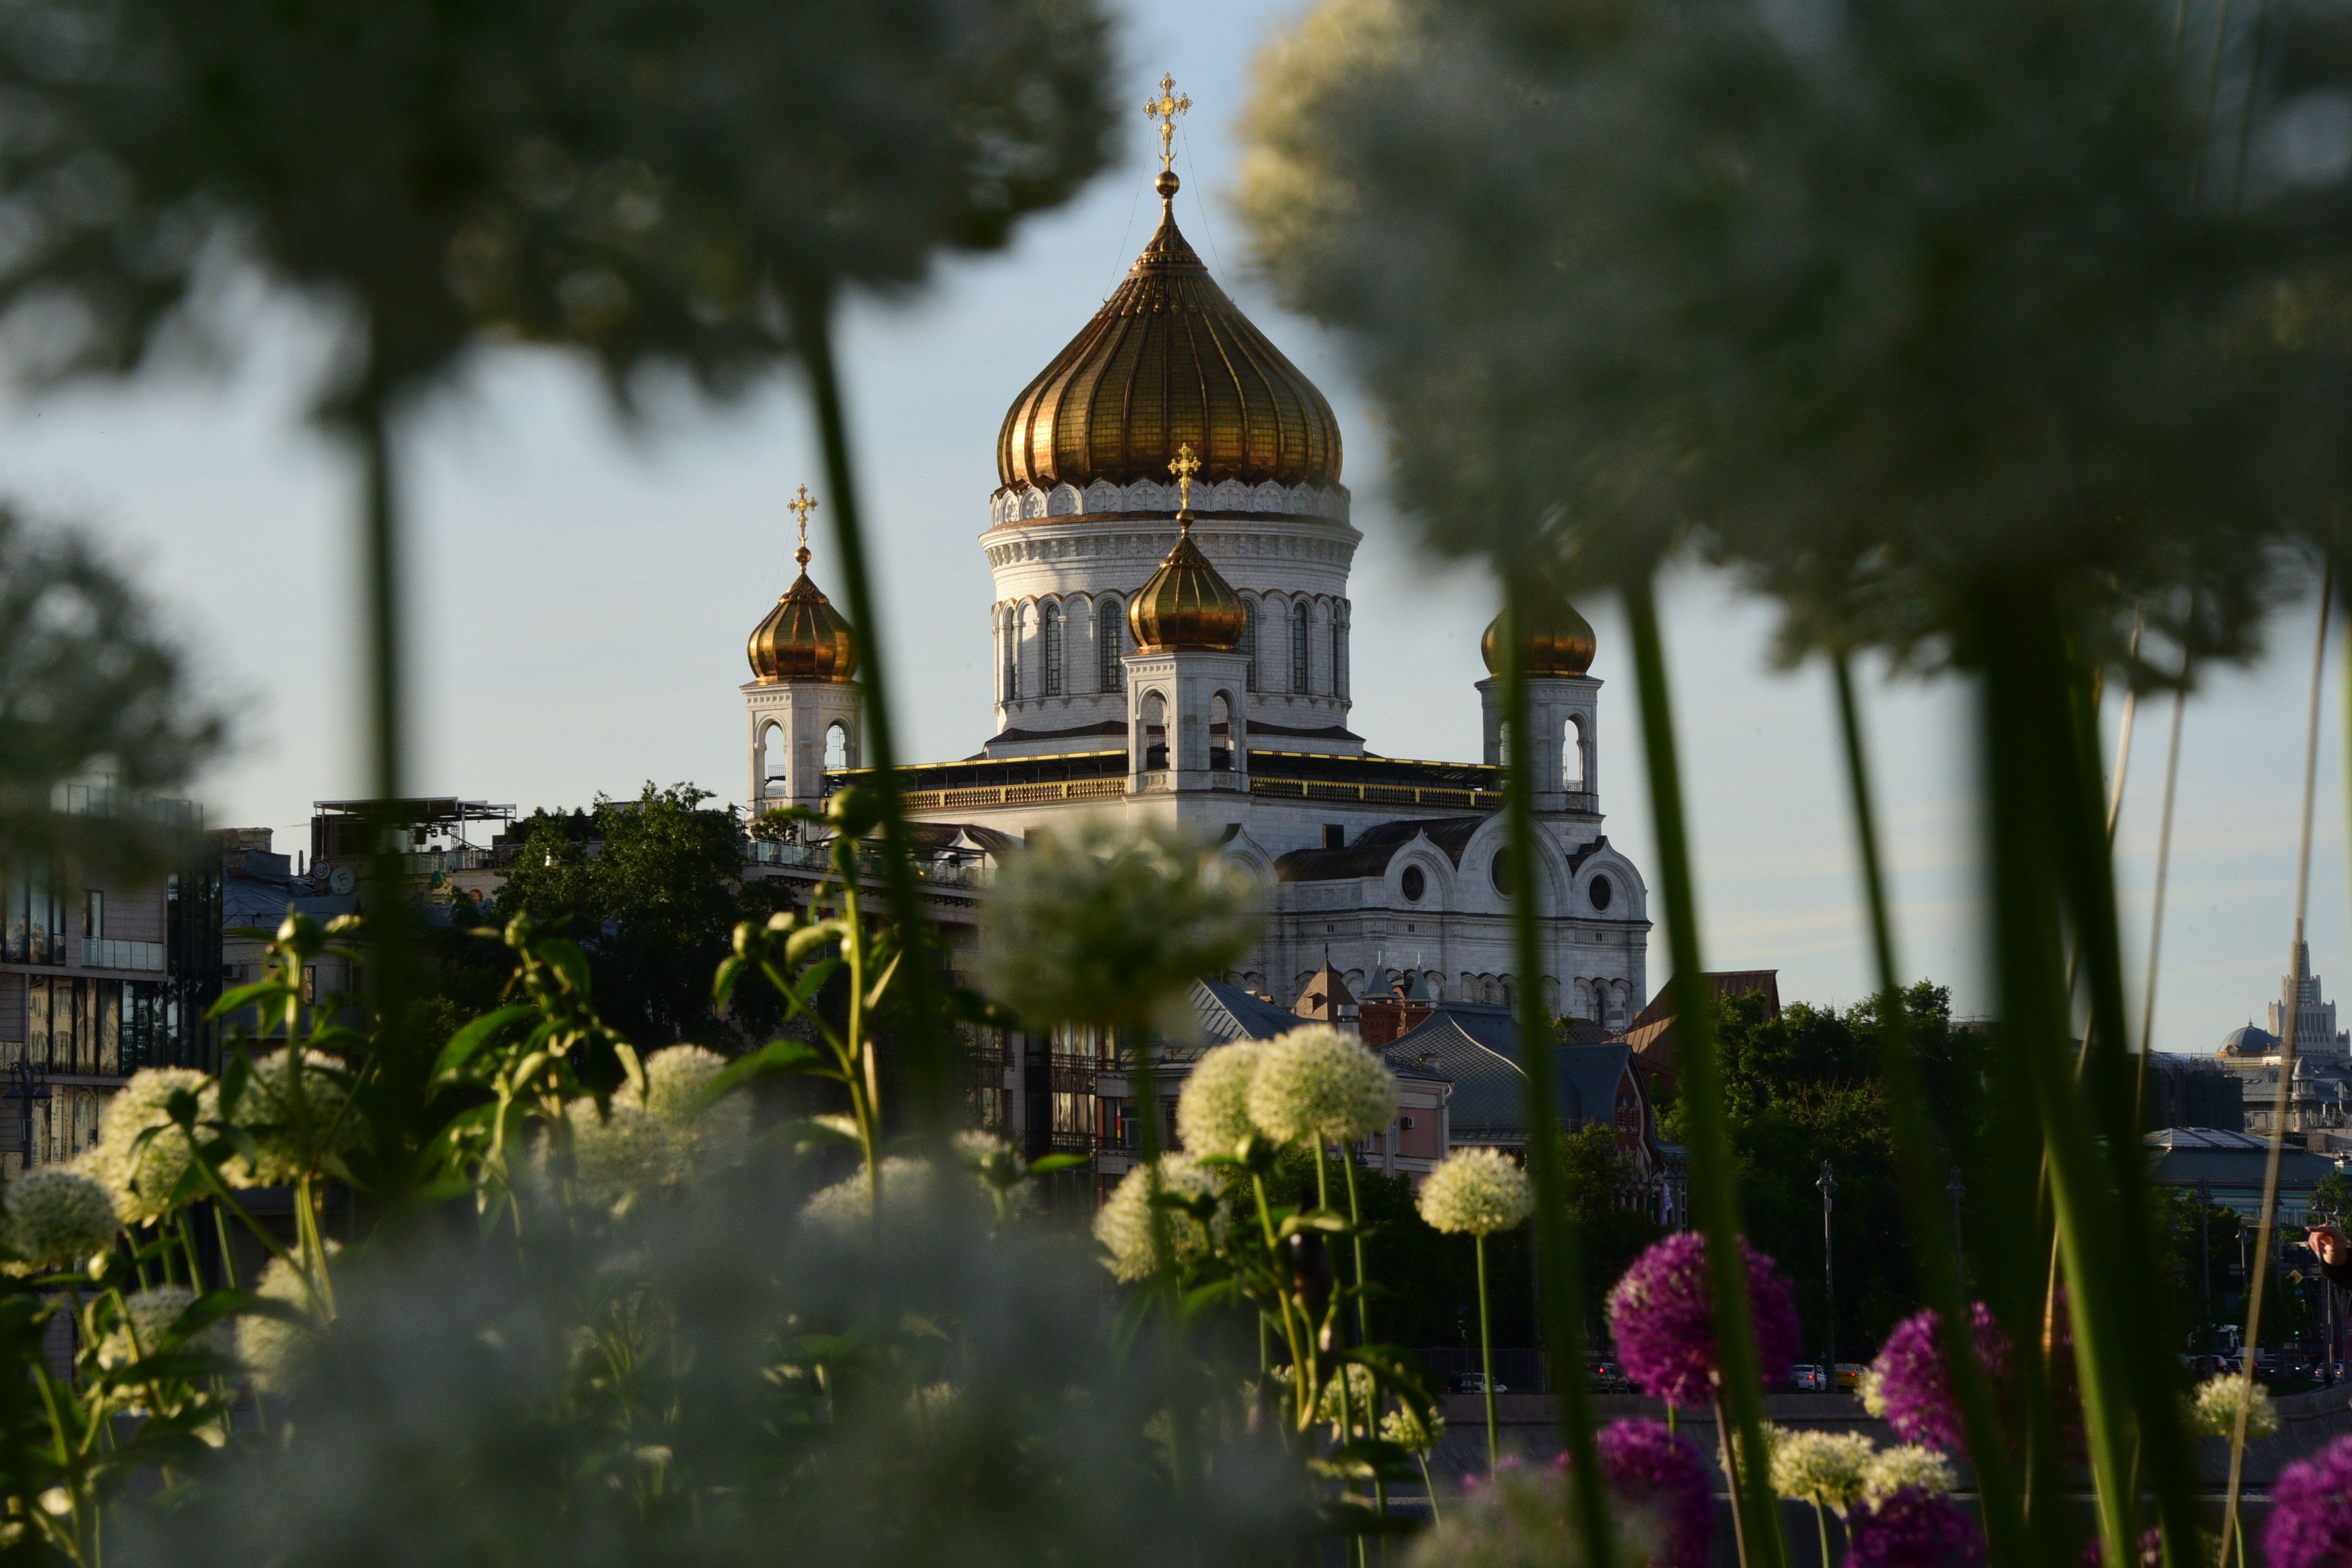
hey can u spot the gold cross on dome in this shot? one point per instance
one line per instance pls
(800, 506)
(1184, 467)
(1165, 108)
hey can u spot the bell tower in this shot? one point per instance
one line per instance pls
(1564, 709)
(803, 704)
(1187, 715)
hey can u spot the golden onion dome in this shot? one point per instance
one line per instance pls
(803, 638)
(1561, 644)
(1169, 362)
(1186, 603)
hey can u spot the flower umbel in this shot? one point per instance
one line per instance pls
(1655, 1474)
(2213, 1408)
(1318, 1085)
(1108, 922)
(847, 1204)
(140, 1172)
(2311, 1511)
(1212, 1114)
(1825, 1468)
(1912, 1385)
(56, 1219)
(1906, 1467)
(1124, 1224)
(1662, 1320)
(297, 1108)
(1914, 1528)
(1478, 1192)
(1520, 1518)
(272, 1348)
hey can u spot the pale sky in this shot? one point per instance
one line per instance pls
(581, 595)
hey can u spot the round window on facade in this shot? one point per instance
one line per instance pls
(1499, 872)
(1415, 884)
(1600, 892)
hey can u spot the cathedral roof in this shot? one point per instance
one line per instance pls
(1169, 362)
(803, 638)
(2249, 1041)
(1186, 603)
(1561, 643)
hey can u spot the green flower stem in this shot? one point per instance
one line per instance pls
(1356, 1220)
(1486, 1359)
(1821, 1521)
(1714, 1192)
(1303, 1386)
(314, 1246)
(918, 1028)
(1557, 1268)
(2265, 1230)
(1429, 1485)
(2029, 733)
(1933, 1248)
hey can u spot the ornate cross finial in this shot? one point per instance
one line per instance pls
(800, 506)
(1165, 108)
(1184, 466)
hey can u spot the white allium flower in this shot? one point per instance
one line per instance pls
(56, 1219)
(620, 1151)
(1407, 1430)
(296, 1107)
(1360, 1397)
(1478, 1192)
(1212, 1114)
(1317, 1084)
(1123, 1224)
(1108, 922)
(847, 1205)
(150, 1316)
(998, 1165)
(2213, 1408)
(1821, 1468)
(142, 1179)
(1870, 1384)
(715, 1137)
(271, 1348)
(1890, 1471)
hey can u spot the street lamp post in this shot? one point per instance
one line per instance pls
(2205, 1252)
(27, 1085)
(1828, 1184)
(1956, 1189)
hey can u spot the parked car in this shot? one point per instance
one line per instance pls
(1849, 1376)
(1606, 1378)
(1474, 1383)
(1808, 1378)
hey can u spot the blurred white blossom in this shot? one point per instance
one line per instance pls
(1124, 1223)
(1890, 1471)
(1212, 1114)
(1826, 1468)
(1318, 1086)
(56, 1219)
(2213, 1408)
(142, 1176)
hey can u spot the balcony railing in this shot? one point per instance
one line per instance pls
(1376, 794)
(819, 857)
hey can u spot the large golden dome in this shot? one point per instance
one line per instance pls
(1561, 642)
(1169, 362)
(803, 638)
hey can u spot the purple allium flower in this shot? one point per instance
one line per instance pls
(2310, 1524)
(1915, 1386)
(1652, 1469)
(1663, 1319)
(1915, 1529)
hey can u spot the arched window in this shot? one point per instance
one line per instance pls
(1155, 732)
(1049, 646)
(1298, 647)
(1111, 640)
(837, 747)
(1339, 655)
(1249, 643)
(775, 757)
(1220, 734)
(1012, 685)
(1571, 755)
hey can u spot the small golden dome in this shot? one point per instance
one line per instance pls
(1188, 603)
(803, 638)
(1169, 360)
(1563, 643)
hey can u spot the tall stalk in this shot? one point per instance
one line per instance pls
(1936, 1250)
(2230, 1522)
(920, 1029)
(1713, 1192)
(1557, 1261)
(2043, 837)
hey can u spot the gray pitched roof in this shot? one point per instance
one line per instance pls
(2178, 1156)
(1477, 1046)
(1228, 1012)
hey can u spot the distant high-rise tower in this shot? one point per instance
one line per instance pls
(2314, 1019)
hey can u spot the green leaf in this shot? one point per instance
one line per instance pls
(1052, 1163)
(1330, 1221)
(809, 937)
(469, 1041)
(776, 1057)
(259, 990)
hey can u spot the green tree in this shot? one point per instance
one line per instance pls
(652, 888)
(1803, 1087)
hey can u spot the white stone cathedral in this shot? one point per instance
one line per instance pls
(1170, 545)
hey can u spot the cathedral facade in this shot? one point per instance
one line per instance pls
(1170, 544)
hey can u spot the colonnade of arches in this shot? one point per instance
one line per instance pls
(1610, 1003)
(1071, 645)
(1575, 752)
